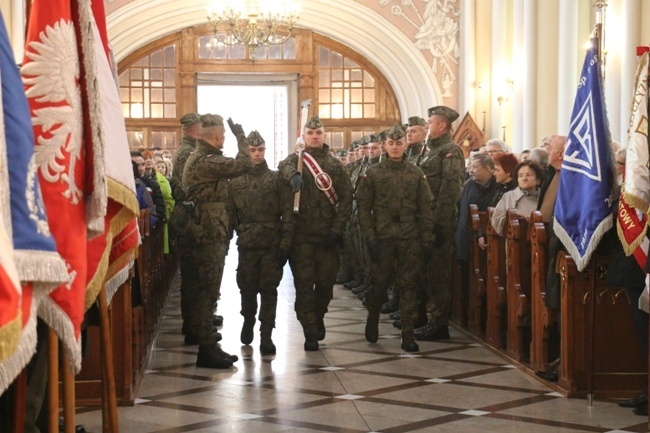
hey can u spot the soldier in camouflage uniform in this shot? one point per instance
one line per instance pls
(318, 230)
(444, 166)
(205, 181)
(396, 222)
(415, 135)
(191, 132)
(259, 209)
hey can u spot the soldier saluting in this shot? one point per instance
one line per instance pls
(325, 206)
(205, 181)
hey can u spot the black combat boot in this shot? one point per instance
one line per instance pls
(352, 284)
(395, 316)
(360, 288)
(408, 343)
(266, 343)
(217, 320)
(397, 323)
(311, 343)
(247, 331)
(372, 329)
(211, 356)
(320, 329)
(432, 332)
(391, 306)
(344, 275)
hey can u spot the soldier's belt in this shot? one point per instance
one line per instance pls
(398, 218)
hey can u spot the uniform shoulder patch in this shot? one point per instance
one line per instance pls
(449, 155)
(424, 176)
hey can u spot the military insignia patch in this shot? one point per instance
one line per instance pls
(449, 155)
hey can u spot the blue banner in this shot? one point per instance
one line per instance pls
(583, 208)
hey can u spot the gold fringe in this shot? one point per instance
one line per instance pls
(632, 246)
(9, 336)
(45, 267)
(11, 367)
(636, 202)
(123, 195)
(58, 320)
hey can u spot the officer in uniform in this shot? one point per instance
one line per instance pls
(395, 216)
(259, 208)
(444, 167)
(324, 209)
(191, 132)
(205, 181)
(415, 135)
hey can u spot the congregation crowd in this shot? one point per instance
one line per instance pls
(388, 218)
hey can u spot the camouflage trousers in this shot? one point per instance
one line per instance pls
(314, 269)
(259, 271)
(396, 258)
(189, 280)
(207, 261)
(438, 283)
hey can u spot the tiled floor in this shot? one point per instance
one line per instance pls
(349, 386)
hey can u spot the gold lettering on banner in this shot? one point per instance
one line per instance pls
(627, 220)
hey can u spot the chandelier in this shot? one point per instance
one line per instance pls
(252, 23)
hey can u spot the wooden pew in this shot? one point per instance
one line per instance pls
(477, 298)
(496, 287)
(599, 352)
(542, 317)
(518, 286)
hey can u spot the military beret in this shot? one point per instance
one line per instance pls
(190, 119)
(416, 120)
(314, 123)
(254, 139)
(375, 138)
(382, 135)
(405, 126)
(209, 120)
(441, 110)
(396, 132)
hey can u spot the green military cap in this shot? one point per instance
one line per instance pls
(254, 139)
(375, 138)
(190, 119)
(441, 110)
(416, 120)
(363, 141)
(314, 123)
(382, 135)
(405, 126)
(209, 120)
(396, 132)
(342, 153)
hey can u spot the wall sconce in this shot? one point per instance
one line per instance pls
(506, 92)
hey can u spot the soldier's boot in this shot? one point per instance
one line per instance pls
(395, 316)
(320, 329)
(372, 328)
(398, 323)
(311, 343)
(247, 331)
(344, 275)
(211, 356)
(352, 284)
(432, 332)
(408, 342)
(217, 320)
(390, 306)
(266, 343)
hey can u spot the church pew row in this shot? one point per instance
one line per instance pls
(134, 313)
(596, 322)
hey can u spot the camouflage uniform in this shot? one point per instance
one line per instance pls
(444, 167)
(414, 153)
(395, 209)
(178, 220)
(205, 180)
(313, 258)
(259, 208)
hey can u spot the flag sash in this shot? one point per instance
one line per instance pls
(322, 179)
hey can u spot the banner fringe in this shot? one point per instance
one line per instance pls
(44, 267)
(114, 283)
(11, 367)
(563, 236)
(58, 320)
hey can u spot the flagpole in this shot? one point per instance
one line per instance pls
(599, 34)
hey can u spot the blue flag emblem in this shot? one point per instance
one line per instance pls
(583, 206)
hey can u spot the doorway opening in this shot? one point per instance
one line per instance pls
(263, 102)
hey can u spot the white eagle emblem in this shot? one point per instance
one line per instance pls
(52, 76)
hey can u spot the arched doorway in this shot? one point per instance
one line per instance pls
(158, 83)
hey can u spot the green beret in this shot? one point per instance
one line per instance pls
(416, 120)
(190, 119)
(209, 120)
(396, 132)
(254, 139)
(375, 138)
(314, 123)
(441, 110)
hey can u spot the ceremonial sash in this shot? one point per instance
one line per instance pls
(631, 229)
(322, 179)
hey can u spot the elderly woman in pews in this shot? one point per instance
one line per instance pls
(523, 198)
